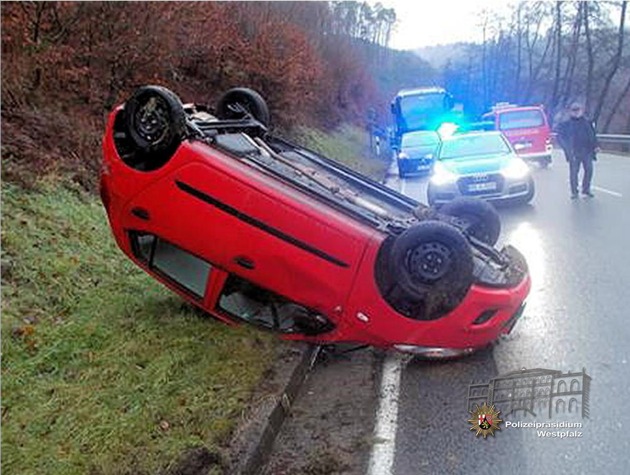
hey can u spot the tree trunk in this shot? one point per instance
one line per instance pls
(519, 35)
(589, 53)
(572, 60)
(558, 51)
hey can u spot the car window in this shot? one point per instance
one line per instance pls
(419, 140)
(421, 103)
(521, 119)
(247, 301)
(464, 146)
(179, 266)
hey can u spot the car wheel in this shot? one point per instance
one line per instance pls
(240, 101)
(433, 262)
(430, 196)
(479, 218)
(531, 191)
(155, 120)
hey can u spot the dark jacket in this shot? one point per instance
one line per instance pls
(577, 138)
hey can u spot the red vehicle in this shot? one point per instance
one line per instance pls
(250, 227)
(527, 129)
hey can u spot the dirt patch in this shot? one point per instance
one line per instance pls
(39, 142)
(261, 422)
(329, 430)
(196, 461)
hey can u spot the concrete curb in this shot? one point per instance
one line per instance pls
(256, 439)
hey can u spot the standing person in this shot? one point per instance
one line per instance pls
(579, 142)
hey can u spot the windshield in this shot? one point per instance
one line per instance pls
(417, 110)
(421, 103)
(421, 139)
(520, 119)
(473, 145)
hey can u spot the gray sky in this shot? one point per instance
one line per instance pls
(439, 21)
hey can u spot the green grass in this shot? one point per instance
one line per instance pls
(348, 145)
(105, 371)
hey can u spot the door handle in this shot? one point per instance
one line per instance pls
(245, 262)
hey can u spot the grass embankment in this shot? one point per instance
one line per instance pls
(104, 371)
(349, 145)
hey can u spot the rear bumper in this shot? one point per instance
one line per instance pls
(481, 319)
(430, 352)
(536, 156)
(414, 165)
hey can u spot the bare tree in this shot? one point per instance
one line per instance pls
(558, 54)
(589, 52)
(615, 62)
(572, 56)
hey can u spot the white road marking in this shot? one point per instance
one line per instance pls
(403, 184)
(610, 192)
(383, 449)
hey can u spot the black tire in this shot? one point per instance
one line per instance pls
(239, 101)
(401, 172)
(430, 196)
(155, 120)
(433, 262)
(530, 194)
(480, 218)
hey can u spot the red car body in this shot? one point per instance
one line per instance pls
(232, 219)
(527, 129)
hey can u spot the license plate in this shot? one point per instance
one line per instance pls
(522, 145)
(491, 185)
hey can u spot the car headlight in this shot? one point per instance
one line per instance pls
(515, 169)
(442, 175)
(446, 129)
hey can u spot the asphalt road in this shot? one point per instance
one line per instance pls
(578, 316)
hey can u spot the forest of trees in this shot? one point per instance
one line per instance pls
(550, 53)
(65, 64)
(298, 54)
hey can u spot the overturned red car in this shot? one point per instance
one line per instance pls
(253, 228)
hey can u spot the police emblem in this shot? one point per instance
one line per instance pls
(485, 420)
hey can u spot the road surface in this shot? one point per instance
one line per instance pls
(578, 316)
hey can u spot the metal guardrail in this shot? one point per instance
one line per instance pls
(613, 138)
